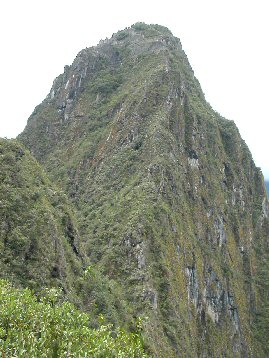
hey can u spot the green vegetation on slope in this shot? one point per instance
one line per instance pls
(39, 239)
(261, 322)
(169, 201)
(46, 327)
(38, 235)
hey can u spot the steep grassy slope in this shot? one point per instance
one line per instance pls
(171, 206)
(38, 236)
(39, 239)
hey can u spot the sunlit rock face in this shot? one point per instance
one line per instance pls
(171, 205)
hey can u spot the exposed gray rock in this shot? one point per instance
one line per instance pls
(193, 288)
(219, 225)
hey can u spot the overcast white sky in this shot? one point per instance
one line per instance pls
(226, 42)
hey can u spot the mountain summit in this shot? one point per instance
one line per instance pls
(171, 208)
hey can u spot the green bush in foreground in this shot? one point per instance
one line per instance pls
(32, 327)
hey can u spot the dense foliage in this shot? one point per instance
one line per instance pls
(46, 327)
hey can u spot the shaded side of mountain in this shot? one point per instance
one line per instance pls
(171, 206)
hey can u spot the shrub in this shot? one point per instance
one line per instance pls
(139, 26)
(32, 327)
(121, 35)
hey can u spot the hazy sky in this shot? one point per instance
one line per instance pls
(226, 42)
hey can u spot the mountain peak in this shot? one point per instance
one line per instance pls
(150, 30)
(171, 206)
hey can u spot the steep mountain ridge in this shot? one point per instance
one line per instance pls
(171, 206)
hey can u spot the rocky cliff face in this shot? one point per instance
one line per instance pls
(171, 206)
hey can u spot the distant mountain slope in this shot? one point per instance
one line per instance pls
(171, 206)
(267, 186)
